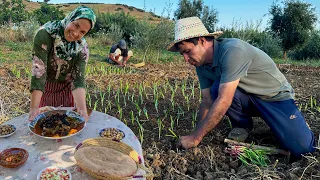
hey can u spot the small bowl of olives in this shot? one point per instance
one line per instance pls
(7, 130)
(112, 133)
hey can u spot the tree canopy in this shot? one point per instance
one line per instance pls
(292, 23)
(188, 8)
(47, 13)
(12, 11)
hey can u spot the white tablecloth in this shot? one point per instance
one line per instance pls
(47, 152)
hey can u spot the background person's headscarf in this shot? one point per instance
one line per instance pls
(63, 49)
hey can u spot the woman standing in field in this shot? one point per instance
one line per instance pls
(60, 55)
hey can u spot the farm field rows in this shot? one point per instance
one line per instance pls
(160, 102)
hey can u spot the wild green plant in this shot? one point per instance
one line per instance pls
(156, 105)
(188, 102)
(300, 107)
(138, 108)
(95, 105)
(180, 110)
(229, 122)
(126, 88)
(117, 96)
(183, 89)
(141, 93)
(173, 105)
(172, 134)
(124, 100)
(132, 97)
(109, 105)
(162, 95)
(119, 111)
(306, 107)
(313, 102)
(109, 90)
(194, 118)
(171, 122)
(132, 117)
(160, 126)
(102, 97)
(165, 111)
(89, 99)
(121, 85)
(141, 130)
(145, 111)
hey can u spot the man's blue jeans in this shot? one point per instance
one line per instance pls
(283, 118)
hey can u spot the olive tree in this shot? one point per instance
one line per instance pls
(47, 12)
(188, 8)
(12, 11)
(292, 23)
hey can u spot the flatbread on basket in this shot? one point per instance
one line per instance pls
(107, 159)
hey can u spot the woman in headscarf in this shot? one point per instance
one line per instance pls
(60, 55)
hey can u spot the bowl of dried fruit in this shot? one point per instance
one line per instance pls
(7, 130)
(112, 133)
(13, 157)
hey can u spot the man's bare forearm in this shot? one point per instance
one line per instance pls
(204, 109)
(213, 117)
(114, 59)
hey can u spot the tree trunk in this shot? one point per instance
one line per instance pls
(285, 55)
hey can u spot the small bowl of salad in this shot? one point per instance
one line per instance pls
(54, 173)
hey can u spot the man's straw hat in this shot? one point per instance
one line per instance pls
(187, 28)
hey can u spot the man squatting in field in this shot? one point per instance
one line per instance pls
(241, 81)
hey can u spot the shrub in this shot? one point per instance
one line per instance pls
(153, 38)
(310, 51)
(47, 13)
(12, 11)
(130, 8)
(109, 23)
(119, 9)
(252, 34)
(20, 32)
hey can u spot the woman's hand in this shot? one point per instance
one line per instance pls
(33, 113)
(83, 113)
(34, 104)
(79, 96)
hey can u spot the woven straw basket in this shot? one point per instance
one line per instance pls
(119, 146)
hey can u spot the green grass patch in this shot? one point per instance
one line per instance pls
(313, 62)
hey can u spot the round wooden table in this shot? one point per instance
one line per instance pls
(60, 152)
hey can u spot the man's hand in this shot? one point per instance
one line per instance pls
(187, 142)
(121, 64)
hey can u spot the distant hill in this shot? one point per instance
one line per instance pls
(99, 7)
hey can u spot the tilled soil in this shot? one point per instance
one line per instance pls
(208, 160)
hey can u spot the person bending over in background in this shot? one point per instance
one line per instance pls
(241, 81)
(119, 54)
(60, 55)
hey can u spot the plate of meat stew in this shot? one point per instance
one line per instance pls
(57, 124)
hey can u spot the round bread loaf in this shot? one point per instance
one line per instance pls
(104, 161)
